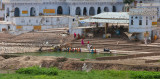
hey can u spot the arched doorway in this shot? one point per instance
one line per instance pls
(8, 12)
(69, 11)
(140, 2)
(32, 11)
(127, 9)
(91, 11)
(59, 10)
(16, 12)
(114, 9)
(106, 9)
(98, 10)
(85, 11)
(123, 9)
(78, 11)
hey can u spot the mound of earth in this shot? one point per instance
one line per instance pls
(25, 61)
(1, 58)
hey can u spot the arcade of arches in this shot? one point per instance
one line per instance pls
(91, 11)
(59, 10)
(99, 10)
(32, 11)
(78, 11)
(16, 12)
(85, 11)
(8, 12)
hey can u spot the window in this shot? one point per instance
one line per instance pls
(146, 22)
(36, 21)
(136, 17)
(9, 27)
(22, 21)
(140, 17)
(150, 18)
(8, 12)
(140, 2)
(140, 22)
(132, 17)
(132, 22)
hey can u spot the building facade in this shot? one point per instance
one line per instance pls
(16, 8)
(44, 14)
(143, 22)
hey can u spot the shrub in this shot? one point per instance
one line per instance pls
(145, 75)
(38, 71)
(82, 59)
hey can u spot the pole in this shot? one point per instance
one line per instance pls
(1, 4)
(106, 28)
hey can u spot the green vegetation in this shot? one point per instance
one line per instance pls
(82, 59)
(128, 1)
(54, 73)
(38, 71)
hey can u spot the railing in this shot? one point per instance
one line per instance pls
(42, 1)
(143, 11)
(148, 4)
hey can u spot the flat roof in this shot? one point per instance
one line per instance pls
(4, 22)
(113, 15)
(109, 17)
(106, 21)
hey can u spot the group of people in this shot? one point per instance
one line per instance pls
(89, 47)
(78, 36)
(73, 49)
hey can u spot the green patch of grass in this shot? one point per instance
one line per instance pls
(38, 71)
(49, 73)
(82, 59)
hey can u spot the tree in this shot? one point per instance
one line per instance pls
(128, 1)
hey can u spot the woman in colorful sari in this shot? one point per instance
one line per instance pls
(82, 42)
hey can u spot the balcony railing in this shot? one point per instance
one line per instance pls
(42, 1)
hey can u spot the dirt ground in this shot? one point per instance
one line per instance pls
(76, 64)
(30, 42)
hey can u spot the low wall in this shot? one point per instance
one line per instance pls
(127, 57)
(78, 65)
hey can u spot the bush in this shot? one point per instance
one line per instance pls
(38, 71)
(82, 59)
(145, 75)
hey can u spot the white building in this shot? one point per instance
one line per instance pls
(2, 14)
(65, 7)
(143, 22)
(27, 15)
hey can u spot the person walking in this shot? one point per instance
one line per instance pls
(79, 36)
(82, 42)
(88, 42)
(88, 47)
(74, 35)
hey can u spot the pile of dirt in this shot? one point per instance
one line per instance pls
(25, 61)
(4, 36)
(41, 38)
(1, 58)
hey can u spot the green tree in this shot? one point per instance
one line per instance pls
(128, 1)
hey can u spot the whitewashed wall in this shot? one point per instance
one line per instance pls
(2, 13)
(23, 21)
(3, 26)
